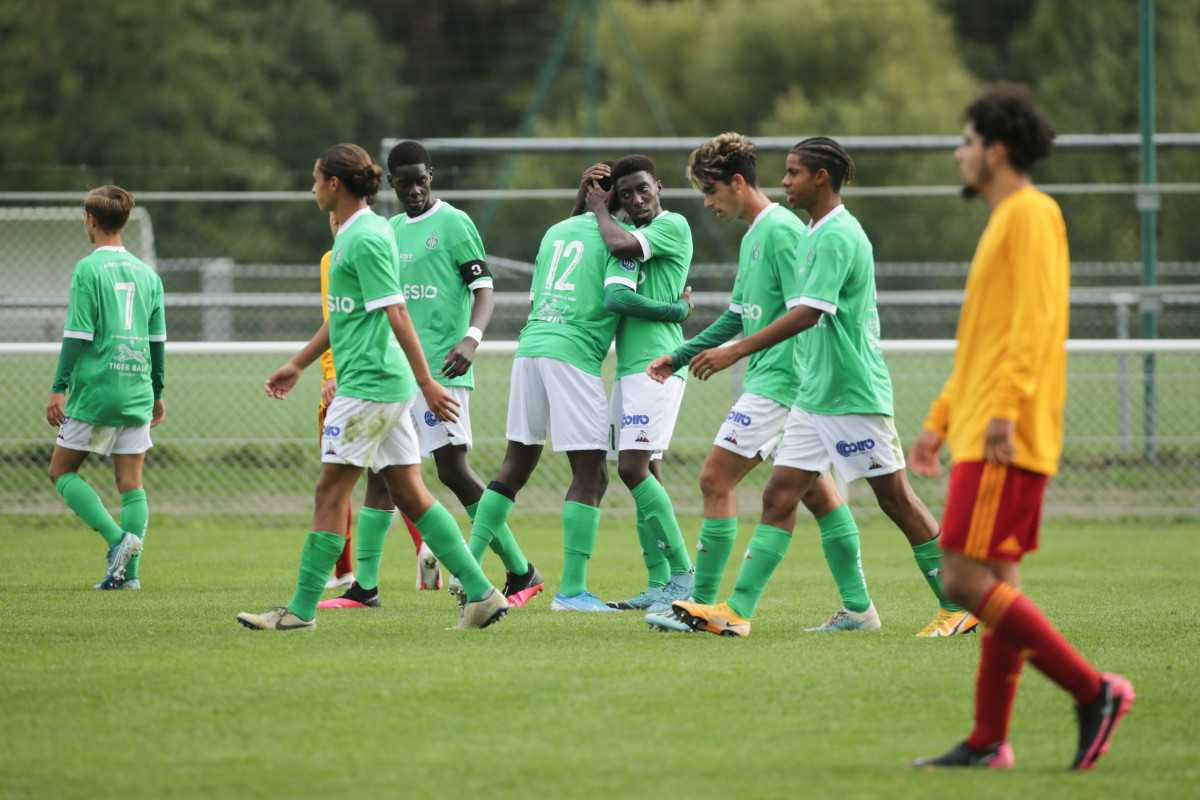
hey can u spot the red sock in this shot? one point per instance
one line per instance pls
(413, 532)
(995, 689)
(344, 565)
(1019, 623)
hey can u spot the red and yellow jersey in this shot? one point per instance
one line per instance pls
(1011, 361)
(327, 371)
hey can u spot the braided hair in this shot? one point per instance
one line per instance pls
(821, 152)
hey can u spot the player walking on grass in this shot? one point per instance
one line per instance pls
(556, 388)
(381, 365)
(449, 290)
(642, 411)
(767, 284)
(843, 412)
(377, 510)
(110, 374)
(1001, 412)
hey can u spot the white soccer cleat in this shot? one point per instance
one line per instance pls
(429, 572)
(344, 582)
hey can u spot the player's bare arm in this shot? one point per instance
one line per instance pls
(462, 355)
(923, 458)
(54, 409)
(709, 362)
(283, 379)
(443, 406)
(620, 242)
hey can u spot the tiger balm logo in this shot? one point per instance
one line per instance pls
(336, 304)
(128, 354)
(419, 291)
(845, 448)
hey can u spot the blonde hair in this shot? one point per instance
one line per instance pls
(720, 158)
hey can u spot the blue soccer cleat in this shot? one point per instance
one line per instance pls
(584, 601)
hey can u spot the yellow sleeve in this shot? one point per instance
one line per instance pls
(938, 419)
(1036, 242)
(327, 370)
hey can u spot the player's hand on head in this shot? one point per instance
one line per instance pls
(460, 358)
(282, 380)
(923, 458)
(159, 413)
(661, 368)
(998, 441)
(594, 173)
(54, 409)
(709, 362)
(598, 199)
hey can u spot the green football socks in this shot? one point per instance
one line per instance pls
(135, 518)
(83, 500)
(767, 548)
(444, 538)
(840, 543)
(929, 559)
(502, 541)
(581, 523)
(657, 569)
(653, 501)
(369, 538)
(712, 554)
(320, 553)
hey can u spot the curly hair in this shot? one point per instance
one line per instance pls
(407, 153)
(1006, 113)
(821, 152)
(631, 164)
(720, 158)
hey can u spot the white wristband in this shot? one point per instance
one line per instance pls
(474, 333)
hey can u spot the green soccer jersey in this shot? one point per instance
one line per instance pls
(441, 263)
(666, 256)
(116, 305)
(843, 371)
(769, 283)
(364, 279)
(567, 317)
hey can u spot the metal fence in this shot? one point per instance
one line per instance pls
(227, 447)
(240, 271)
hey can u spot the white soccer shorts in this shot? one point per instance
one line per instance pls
(433, 433)
(642, 413)
(859, 445)
(75, 434)
(365, 433)
(546, 394)
(753, 427)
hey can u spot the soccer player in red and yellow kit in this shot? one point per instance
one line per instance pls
(1001, 412)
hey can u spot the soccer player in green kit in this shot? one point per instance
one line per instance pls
(107, 391)
(558, 356)
(843, 412)
(448, 294)
(724, 170)
(380, 367)
(642, 410)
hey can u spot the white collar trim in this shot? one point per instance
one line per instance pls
(360, 213)
(432, 210)
(762, 214)
(813, 228)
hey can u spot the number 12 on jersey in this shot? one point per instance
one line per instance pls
(563, 250)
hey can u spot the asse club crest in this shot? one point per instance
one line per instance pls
(756, 253)
(432, 241)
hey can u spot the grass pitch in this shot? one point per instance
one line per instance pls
(161, 693)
